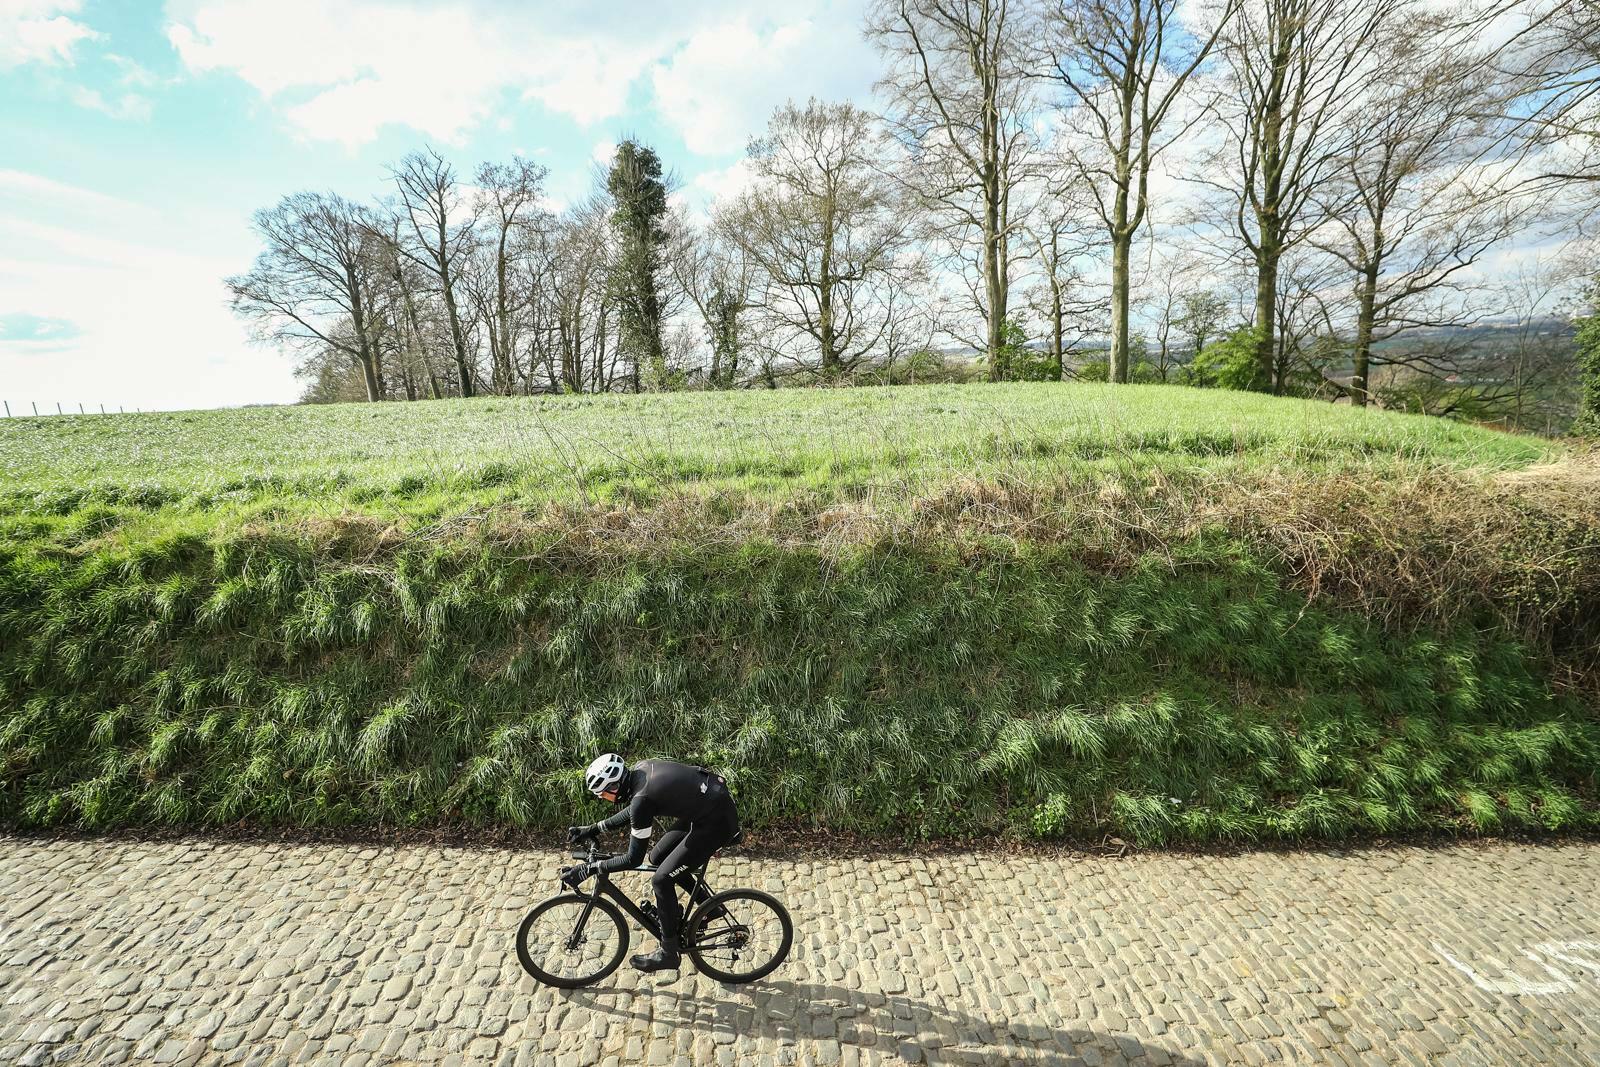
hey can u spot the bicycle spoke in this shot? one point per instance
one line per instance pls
(746, 937)
(565, 942)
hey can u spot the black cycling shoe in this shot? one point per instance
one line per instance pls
(665, 958)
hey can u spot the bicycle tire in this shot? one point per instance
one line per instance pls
(601, 907)
(701, 934)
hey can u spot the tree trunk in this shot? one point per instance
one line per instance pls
(457, 338)
(635, 381)
(602, 379)
(504, 375)
(1267, 306)
(572, 349)
(1058, 355)
(358, 323)
(830, 351)
(1269, 246)
(994, 280)
(447, 285)
(379, 377)
(413, 333)
(1364, 324)
(994, 253)
(1120, 252)
(367, 373)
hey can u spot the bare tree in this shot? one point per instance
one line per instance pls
(1182, 313)
(1296, 69)
(1202, 316)
(1534, 361)
(961, 102)
(533, 268)
(438, 222)
(717, 276)
(914, 318)
(576, 297)
(310, 287)
(829, 239)
(1308, 348)
(1058, 233)
(1519, 370)
(1123, 66)
(1552, 65)
(406, 311)
(1414, 203)
(508, 203)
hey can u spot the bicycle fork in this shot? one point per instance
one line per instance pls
(588, 909)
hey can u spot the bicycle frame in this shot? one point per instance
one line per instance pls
(604, 886)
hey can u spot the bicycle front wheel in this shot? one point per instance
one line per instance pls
(739, 936)
(572, 940)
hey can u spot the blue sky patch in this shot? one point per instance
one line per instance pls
(21, 326)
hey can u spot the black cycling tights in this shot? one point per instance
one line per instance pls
(676, 857)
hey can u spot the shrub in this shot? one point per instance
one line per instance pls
(1098, 370)
(1226, 364)
(1588, 341)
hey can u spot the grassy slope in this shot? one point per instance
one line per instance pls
(1080, 609)
(398, 456)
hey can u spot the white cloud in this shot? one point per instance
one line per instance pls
(724, 184)
(40, 31)
(132, 74)
(590, 79)
(721, 87)
(343, 71)
(158, 332)
(34, 187)
(362, 63)
(125, 106)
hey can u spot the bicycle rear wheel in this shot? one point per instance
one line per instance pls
(739, 936)
(572, 940)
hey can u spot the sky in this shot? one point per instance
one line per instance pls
(136, 139)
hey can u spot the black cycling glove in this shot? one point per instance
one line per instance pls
(574, 876)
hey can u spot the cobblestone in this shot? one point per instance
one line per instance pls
(217, 952)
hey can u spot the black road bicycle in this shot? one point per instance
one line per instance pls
(578, 938)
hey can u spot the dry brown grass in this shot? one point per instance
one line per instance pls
(1427, 546)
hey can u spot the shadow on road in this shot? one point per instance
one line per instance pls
(914, 1029)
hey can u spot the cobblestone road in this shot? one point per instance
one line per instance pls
(220, 953)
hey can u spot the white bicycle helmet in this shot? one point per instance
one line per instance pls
(604, 773)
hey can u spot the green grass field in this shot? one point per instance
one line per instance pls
(1022, 610)
(419, 458)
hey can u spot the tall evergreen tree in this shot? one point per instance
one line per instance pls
(639, 217)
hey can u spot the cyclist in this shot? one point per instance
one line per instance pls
(652, 788)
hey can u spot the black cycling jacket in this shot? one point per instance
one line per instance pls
(658, 787)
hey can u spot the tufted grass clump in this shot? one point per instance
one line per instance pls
(325, 676)
(1025, 611)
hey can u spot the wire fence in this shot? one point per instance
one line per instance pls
(33, 409)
